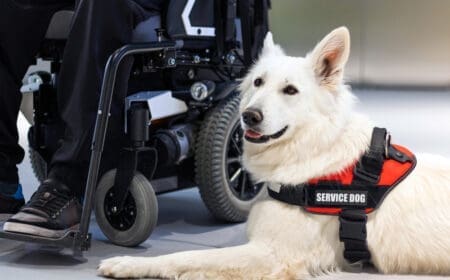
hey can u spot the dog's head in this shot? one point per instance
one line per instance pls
(283, 95)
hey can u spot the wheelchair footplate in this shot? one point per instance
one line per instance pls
(72, 239)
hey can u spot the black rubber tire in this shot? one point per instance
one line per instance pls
(210, 161)
(146, 210)
(38, 164)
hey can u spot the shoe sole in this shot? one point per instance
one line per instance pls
(35, 230)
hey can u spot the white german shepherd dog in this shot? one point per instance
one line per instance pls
(307, 129)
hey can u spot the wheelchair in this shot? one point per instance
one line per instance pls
(185, 136)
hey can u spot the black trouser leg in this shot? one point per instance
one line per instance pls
(100, 27)
(23, 24)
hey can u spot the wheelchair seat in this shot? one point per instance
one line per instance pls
(59, 27)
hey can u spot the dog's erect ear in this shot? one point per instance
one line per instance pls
(329, 57)
(269, 47)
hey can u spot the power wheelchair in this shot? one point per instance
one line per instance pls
(188, 135)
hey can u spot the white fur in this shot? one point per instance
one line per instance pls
(409, 233)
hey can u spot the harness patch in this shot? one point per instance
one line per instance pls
(341, 198)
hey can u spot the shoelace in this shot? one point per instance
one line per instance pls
(49, 200)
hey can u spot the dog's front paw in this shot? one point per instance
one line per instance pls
(123, 267)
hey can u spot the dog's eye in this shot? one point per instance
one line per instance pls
(258, 82)
(290, 90)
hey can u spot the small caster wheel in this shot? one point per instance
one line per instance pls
(134, 224)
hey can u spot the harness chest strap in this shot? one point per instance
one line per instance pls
(355, 192)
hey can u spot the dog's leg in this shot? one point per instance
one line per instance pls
(249, 261)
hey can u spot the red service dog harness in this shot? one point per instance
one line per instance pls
(356, 191)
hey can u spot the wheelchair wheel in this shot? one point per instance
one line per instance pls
(38, 164)
(134, 224)
(225, 186)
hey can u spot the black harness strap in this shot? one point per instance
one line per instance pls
(309, 195)
(295, 195)
(352, 230)
(369, 167)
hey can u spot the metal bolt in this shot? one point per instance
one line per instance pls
(114, 209)
(132, 213)
(191, 74)
(171, 61)
(121, 225)
(230, 59)
(196, 59)
(199, 91)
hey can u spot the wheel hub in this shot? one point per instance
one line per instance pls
(120, 219)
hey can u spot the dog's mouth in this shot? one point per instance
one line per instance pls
(256, 137)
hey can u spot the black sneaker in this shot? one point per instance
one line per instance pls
(11, 200)
(51, 212)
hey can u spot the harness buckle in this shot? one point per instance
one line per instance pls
(352, 225)
(352, 231)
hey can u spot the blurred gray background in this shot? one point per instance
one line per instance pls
(394, 42)
(400, 62)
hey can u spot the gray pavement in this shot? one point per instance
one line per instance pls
(417, 119)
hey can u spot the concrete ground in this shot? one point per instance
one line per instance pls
(417, 119)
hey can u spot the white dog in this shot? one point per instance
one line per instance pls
(309, 130)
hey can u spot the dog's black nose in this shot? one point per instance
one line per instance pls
(252, 117)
